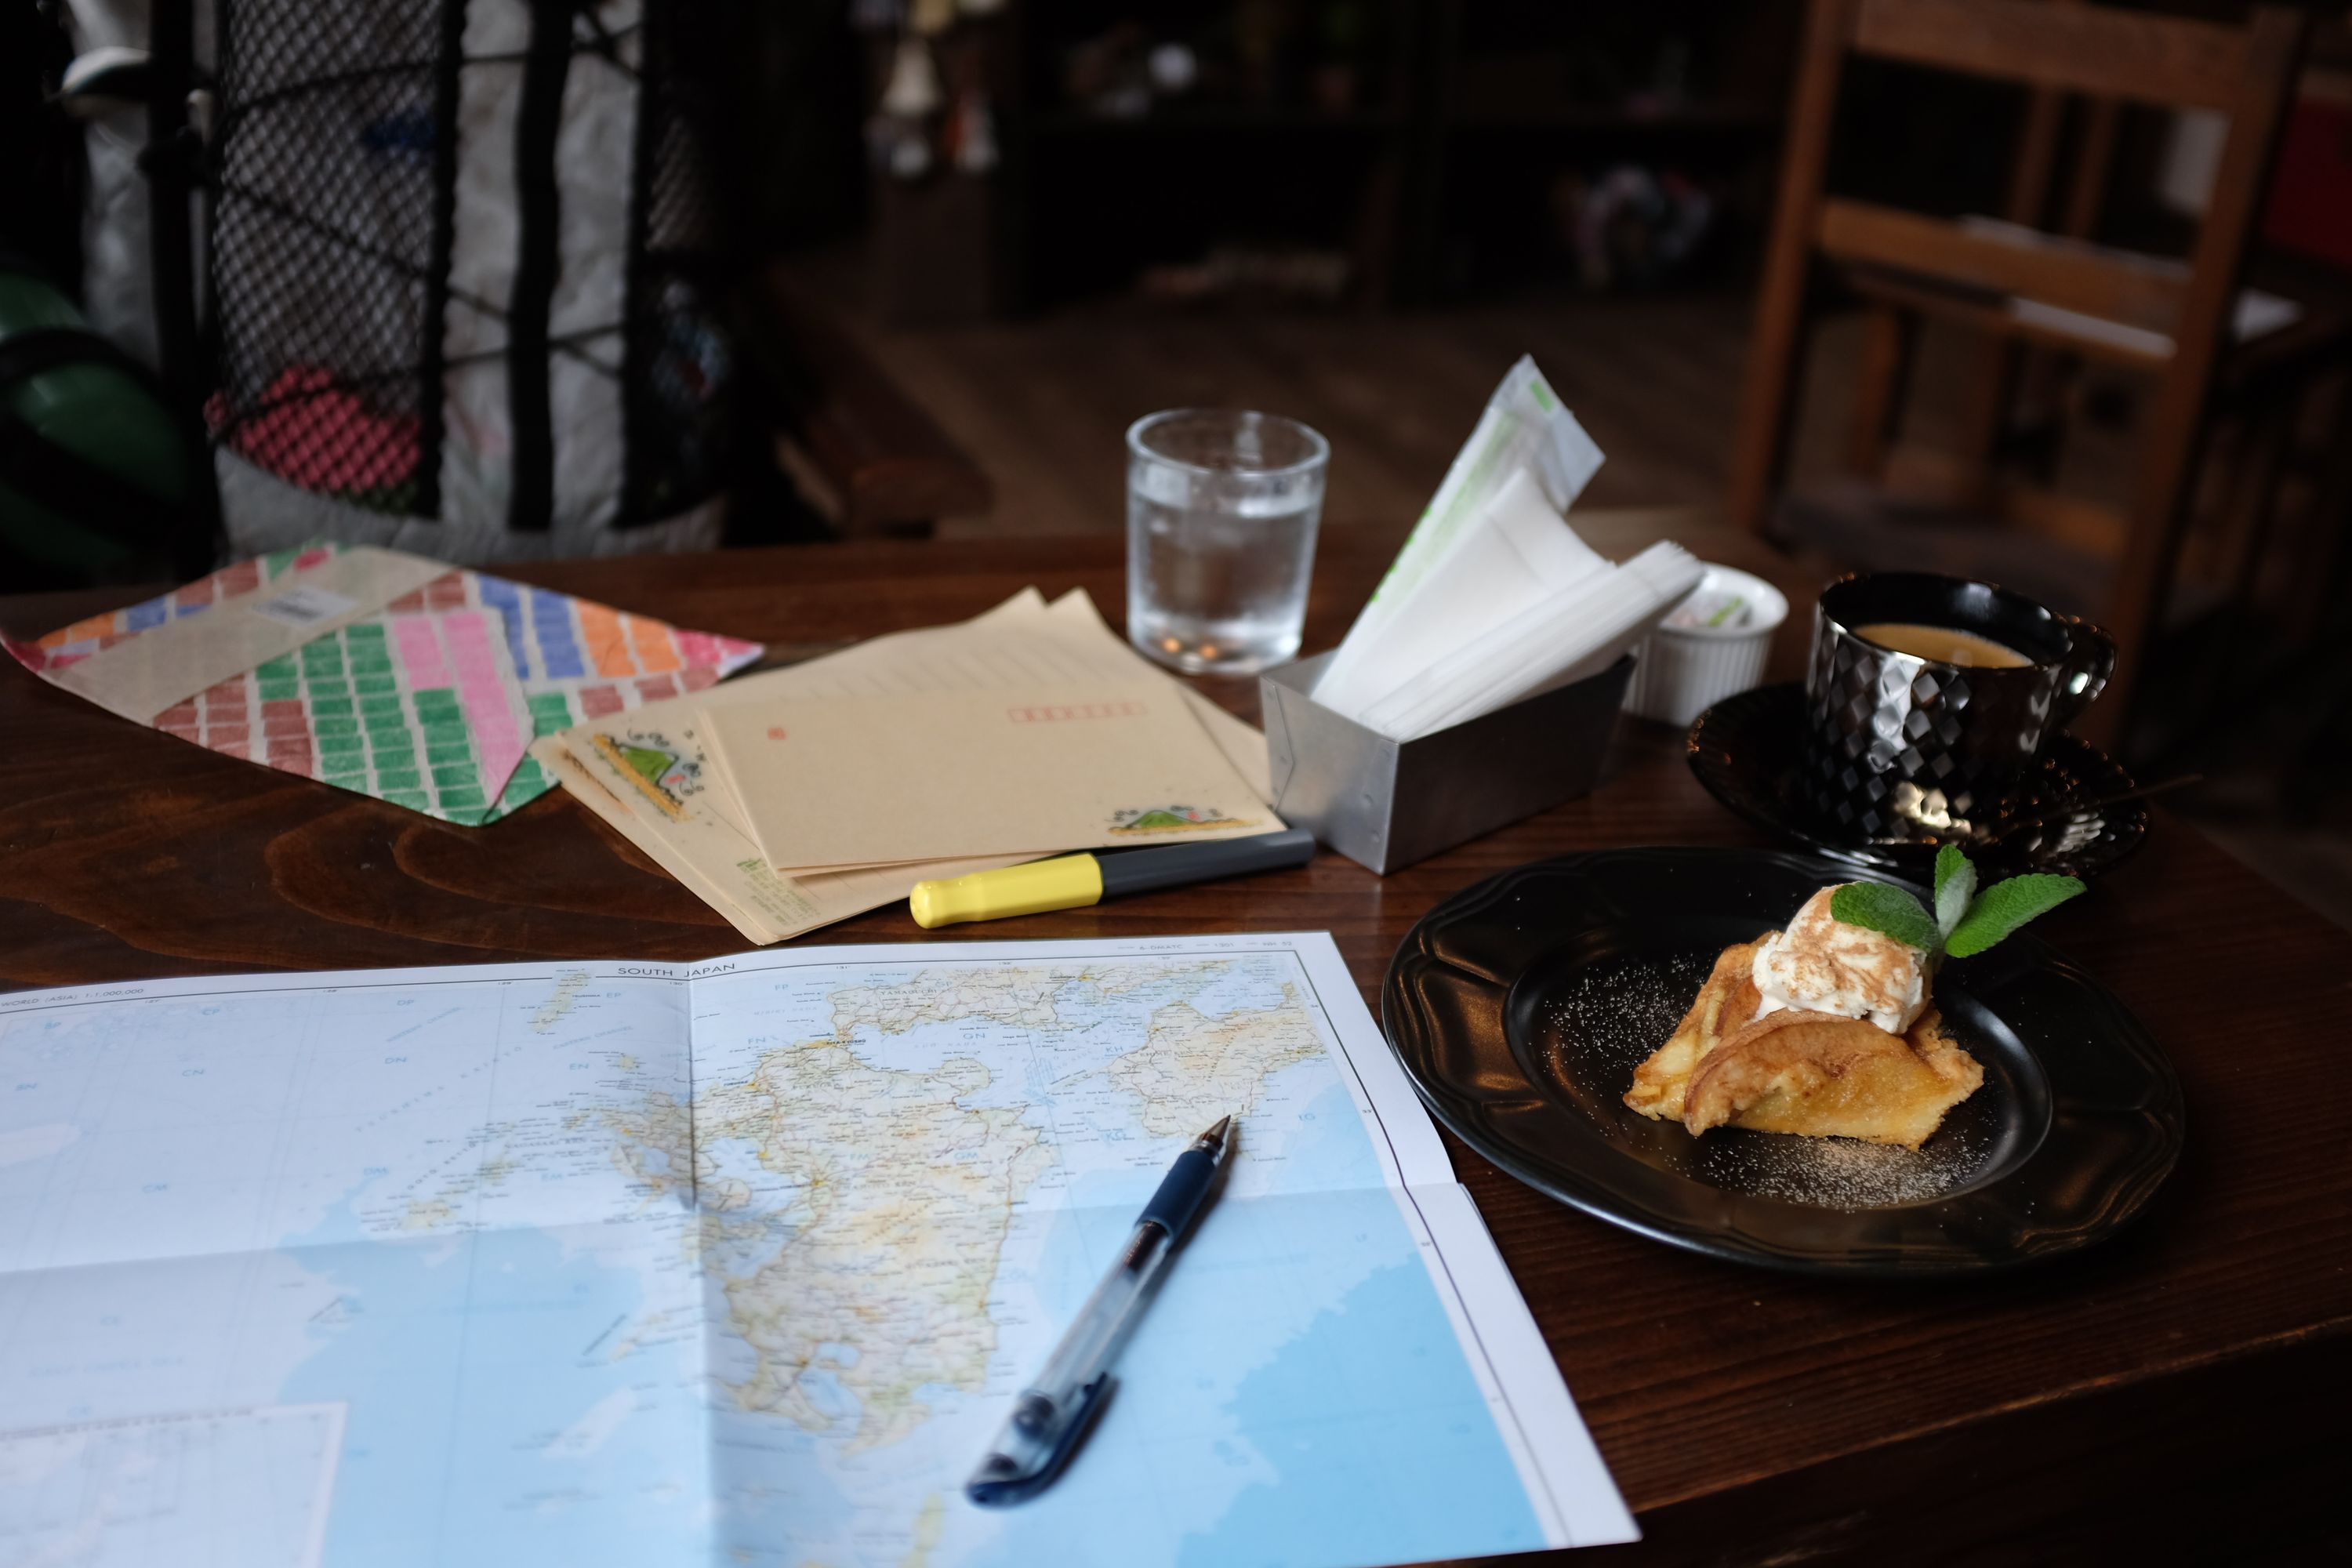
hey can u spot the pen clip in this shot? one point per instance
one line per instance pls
(991, 1489)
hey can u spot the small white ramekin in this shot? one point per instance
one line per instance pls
(1682, 671)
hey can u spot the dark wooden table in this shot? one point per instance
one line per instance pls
(2177, 1394)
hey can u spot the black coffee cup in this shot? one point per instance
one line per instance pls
(1902, 747)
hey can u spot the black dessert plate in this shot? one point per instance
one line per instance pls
(1748, 750)
(1520, 1008)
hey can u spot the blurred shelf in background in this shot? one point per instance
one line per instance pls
(1333, 154)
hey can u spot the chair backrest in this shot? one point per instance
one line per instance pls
(2055, 48)
(2172, 62)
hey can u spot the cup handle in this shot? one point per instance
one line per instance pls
(2083, 674)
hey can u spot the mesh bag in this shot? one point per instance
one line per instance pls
(464, 273)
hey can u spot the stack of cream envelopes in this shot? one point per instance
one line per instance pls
(790, 799)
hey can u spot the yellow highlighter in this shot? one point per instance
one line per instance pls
(1074, 881)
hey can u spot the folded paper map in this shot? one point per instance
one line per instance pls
(1025, 769)
(664, 1266)
(378, 671)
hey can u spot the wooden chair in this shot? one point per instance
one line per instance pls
(2022, 287)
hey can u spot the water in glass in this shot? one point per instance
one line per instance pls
(1220, 538)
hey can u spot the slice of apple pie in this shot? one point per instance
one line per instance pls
(1824, 1029)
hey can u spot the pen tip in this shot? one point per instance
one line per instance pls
(1215, 1136)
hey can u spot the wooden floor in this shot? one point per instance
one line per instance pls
(1046, 404)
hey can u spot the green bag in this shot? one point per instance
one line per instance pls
(97, 478)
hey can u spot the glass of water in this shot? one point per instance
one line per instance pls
(1221, 506)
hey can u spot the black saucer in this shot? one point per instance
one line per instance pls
(1748, 750)
(1520, 1008)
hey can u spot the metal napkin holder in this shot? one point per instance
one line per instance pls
(1386, 804)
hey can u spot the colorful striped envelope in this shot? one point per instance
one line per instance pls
(429, 700)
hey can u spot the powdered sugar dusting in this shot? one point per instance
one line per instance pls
(1618, 1011)
(1840, 1172)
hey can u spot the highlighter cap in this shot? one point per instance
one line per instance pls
(1066, 882)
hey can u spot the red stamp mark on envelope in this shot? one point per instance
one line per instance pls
(1062, 713)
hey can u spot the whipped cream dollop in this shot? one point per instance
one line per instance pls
(1821, 964)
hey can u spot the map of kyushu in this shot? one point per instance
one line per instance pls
(744, 1262)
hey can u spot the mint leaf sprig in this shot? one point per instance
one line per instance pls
(1965, 921)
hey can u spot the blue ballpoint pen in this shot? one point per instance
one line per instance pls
(1051, 1413)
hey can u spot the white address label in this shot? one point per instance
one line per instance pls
(305, 606)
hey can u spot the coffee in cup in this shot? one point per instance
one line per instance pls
(1944, 645)
(1927, 697)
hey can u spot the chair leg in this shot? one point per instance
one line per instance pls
(1776, 352)
(2327, 527)
(2171, 445)
(2173, 450)
(2254, 499)
(1880, 382)
(2248, 474)
(2001, 364)
(1991, 398)
(1759, 445)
